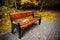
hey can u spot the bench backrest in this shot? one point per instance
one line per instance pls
(22, 14)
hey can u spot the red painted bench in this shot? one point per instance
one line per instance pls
(23, 14)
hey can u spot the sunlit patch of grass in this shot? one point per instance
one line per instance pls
(5, 24)
(47, 15)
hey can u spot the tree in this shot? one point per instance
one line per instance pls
(42, 4)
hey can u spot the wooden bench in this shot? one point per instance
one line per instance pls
(23, 14)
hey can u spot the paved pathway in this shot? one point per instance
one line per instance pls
(45, 31)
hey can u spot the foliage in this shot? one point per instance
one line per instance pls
(47, 15)
(5, 23)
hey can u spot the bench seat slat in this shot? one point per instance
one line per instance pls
(29, 23)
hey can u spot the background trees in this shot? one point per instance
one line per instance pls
(30, 4)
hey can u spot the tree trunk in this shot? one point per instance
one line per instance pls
(15, 4)
(42, 4)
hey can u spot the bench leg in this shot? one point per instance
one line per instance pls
(39, 21)
(19, 31)
(12, 30)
